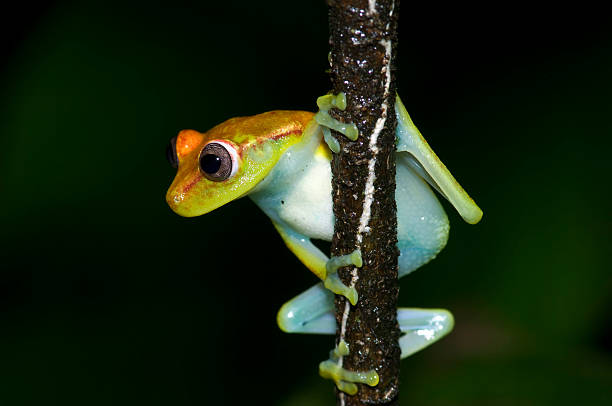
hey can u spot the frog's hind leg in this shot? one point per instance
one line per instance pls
(422, 327)
(422, 224)
(310, 312)
(425, 161)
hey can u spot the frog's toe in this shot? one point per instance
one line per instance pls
(331, 141)
(333, 282)
(330, 101)
(345, 380)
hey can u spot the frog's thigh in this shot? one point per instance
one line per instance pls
(422, 225)
(422, 327)
(309, 312)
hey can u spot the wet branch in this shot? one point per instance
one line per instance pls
(363, 38)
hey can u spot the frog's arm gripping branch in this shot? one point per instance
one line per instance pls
(304, 250)
(325, 268)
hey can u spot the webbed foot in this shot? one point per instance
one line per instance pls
(325, 103)
(345, 380)
(332, 280)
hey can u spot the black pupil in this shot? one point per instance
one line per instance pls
(210, 163)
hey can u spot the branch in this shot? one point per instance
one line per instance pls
(363, 41)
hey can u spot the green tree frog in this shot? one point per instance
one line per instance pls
(282, 162)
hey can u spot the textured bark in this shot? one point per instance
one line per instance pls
(361, 42)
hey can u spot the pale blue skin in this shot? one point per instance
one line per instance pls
(296, 195)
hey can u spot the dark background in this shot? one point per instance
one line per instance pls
(107, 297)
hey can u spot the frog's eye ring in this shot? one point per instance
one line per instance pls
(218, 161)
(171, 153)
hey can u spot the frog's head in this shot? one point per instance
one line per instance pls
(229, 160)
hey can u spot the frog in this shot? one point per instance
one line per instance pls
(281, 160)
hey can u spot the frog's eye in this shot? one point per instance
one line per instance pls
(171, 153)
(218, 161)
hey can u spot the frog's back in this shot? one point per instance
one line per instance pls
(283, 126)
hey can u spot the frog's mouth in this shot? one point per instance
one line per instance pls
(194, 195)
(179, 196)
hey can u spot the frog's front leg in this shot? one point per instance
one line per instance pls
(318, 263)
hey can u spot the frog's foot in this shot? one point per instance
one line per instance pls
(422, 327)
(332, 280)
(345, 380)
(330, 101)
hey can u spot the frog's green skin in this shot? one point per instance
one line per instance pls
(279, 159)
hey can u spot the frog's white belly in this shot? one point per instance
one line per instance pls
(307, 205)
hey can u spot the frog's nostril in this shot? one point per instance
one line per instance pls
(171, 153)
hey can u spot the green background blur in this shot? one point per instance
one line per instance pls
(107, 297)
